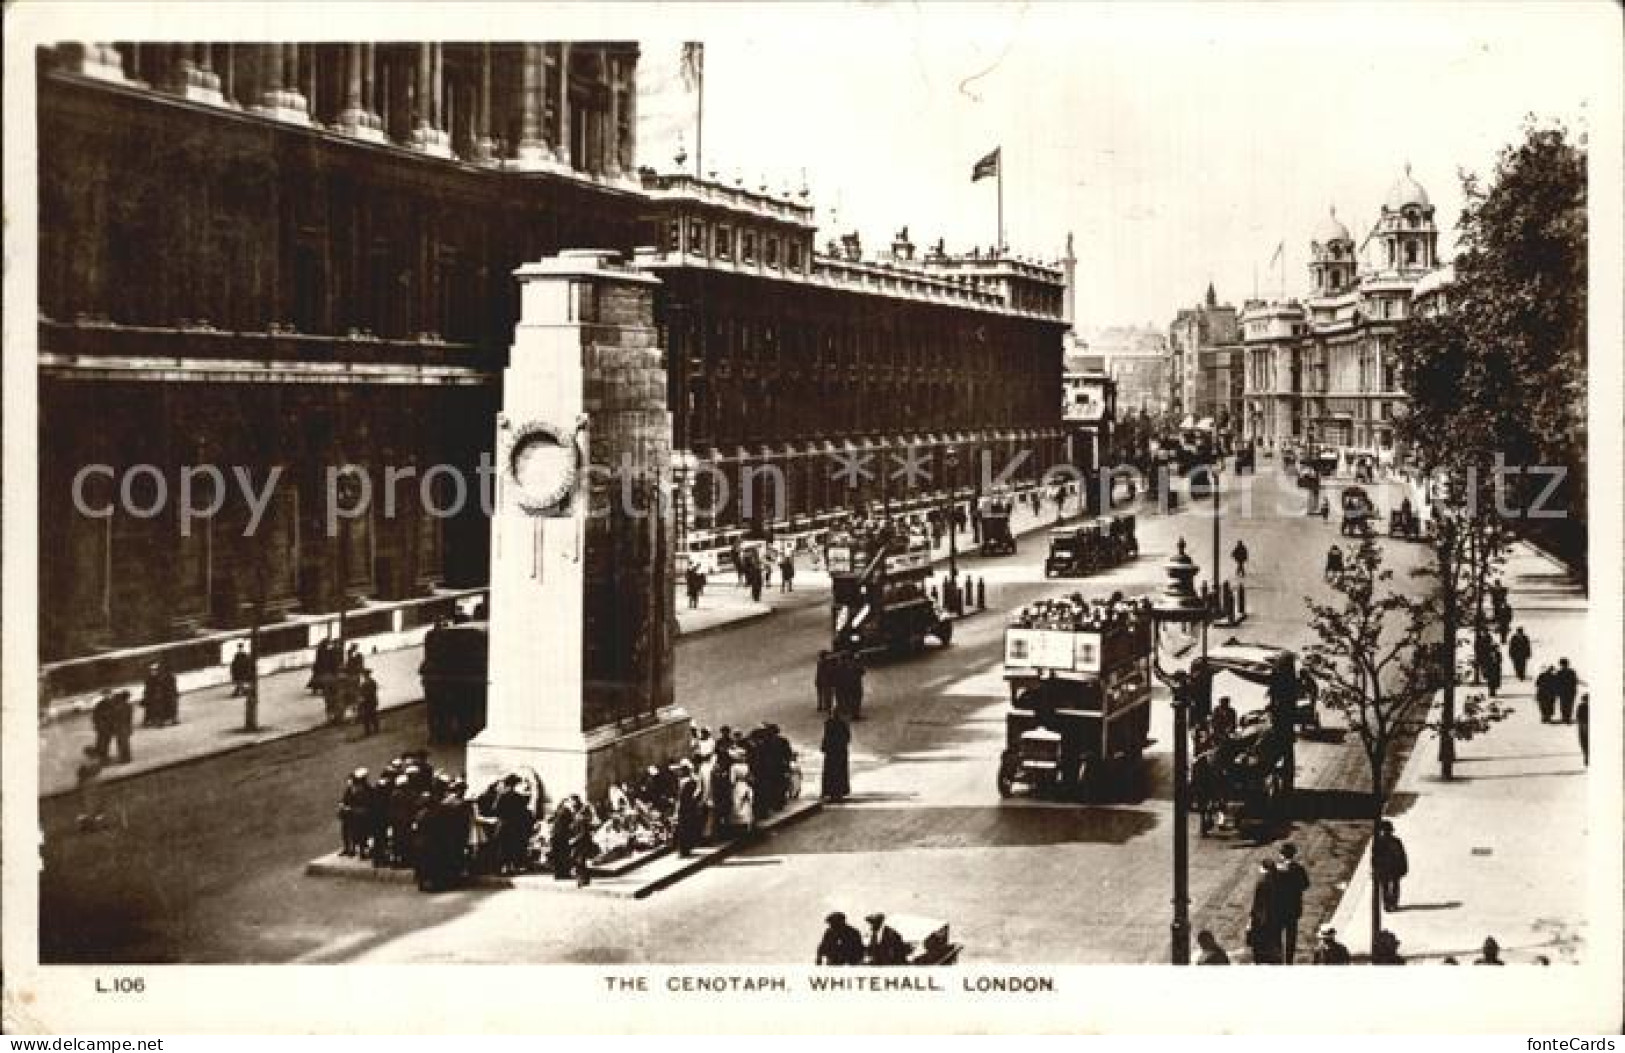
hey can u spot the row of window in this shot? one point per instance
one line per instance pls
(748, 245)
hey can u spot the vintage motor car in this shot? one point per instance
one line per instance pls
(1358, 512)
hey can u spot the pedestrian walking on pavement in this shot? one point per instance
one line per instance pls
(1503, 621)
(1291, 882)
(1327, 950)
(691, 586)
(1582, 720)
(1492, 668)
(836, 746)
(1334, 562)
(1264, 929)
(1239, 554)
(824, 678)
(1546, 693)
(101, 723)
(367, 704)
(787, 573)
(1567, 682)
(1390, 863)
(242, 670)
(1519, 651)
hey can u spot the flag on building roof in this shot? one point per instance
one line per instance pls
(987, 166)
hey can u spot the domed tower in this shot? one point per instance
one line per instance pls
(1409, 240)
(1331, 257)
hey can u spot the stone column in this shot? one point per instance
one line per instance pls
(270, 72)
(611, 140)
(426, 133)
(628, 143)
(282, 98)
(357, 118)
(484, 149)
(582, 584)
(561, 142)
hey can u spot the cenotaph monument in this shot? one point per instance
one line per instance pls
(582, 565)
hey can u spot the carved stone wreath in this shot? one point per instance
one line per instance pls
(542, 463)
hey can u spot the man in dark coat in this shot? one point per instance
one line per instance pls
(1492, 669)
(849, 693)
(367, 704)
(1264, 930)
(558, 840)
(123, 711)
(884, 946)
(101, 722)
(1327, 950)
(691, 581)
(824, 678)
(842, 944)
(1546, 693)
(1389, 861)
(1291, 882)
(581, 846)
(1567, 683)
(514, 826)
(1518, 650)
(355, 814)
(242, 671)
(1582, 724)
(690, 811)
(837, 741)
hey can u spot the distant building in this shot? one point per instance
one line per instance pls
(1321, 371)
(1138, 362)
(1195, 330)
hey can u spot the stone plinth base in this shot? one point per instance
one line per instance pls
(584, 762)
(289, 106)
(431, 141)
(360, 124)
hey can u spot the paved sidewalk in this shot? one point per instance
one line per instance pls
(1500, 850)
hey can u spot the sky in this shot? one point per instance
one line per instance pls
(1180, 145)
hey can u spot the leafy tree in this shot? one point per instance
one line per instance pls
(1501, 374)
(1376, 657)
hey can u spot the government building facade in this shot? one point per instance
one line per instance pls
(282, 259)
(1321, 370)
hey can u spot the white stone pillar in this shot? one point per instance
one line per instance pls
(581, 702)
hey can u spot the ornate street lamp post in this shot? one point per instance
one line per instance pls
(1178, 612)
